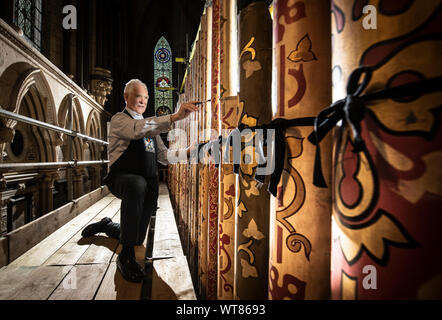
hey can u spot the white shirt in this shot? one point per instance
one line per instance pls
(123, 129)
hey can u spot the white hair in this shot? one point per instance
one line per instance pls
(129, 86)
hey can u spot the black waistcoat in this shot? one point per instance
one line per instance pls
(136, 160)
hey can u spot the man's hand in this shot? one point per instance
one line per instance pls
(184, 110)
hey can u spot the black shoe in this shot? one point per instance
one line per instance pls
(130, 269)
(112, 230)
(94, 228)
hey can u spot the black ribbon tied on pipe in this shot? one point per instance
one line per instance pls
(279, 125)
(352, 110)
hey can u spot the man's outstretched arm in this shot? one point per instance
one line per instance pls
(125, 127)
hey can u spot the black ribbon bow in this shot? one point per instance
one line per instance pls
(352, 110)
(278, 154)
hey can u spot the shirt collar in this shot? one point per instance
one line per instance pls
(134, 114)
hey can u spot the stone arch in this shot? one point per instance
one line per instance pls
(26, 91)
(77, 125)
(94, 128)
(16, 80)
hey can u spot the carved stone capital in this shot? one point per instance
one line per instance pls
(101, 85)
(78, 171)
(48, 177)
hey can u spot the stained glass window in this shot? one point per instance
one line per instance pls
(163, 78)
(27, 15)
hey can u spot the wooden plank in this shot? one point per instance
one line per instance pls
(41, 252)
(140, 253)
(101, 248)
(10, 278)
(166, 239)
(171, 280)
(114, 287)
(81, 283)
(163, 191)
(40, 283)
(27, 236)
(73, 249)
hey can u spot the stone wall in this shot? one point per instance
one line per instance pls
(35, 87)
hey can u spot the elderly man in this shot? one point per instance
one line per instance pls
(134, 149)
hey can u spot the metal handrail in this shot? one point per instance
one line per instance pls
(38, 123)
(67, 164)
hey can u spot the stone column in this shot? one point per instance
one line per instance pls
(77, 181)
(4, 198)
(95, 177)
(46, 181)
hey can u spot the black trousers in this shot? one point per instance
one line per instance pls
(139, 199)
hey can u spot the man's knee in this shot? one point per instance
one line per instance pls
(136, 187)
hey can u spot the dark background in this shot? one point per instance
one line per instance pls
(116, 35)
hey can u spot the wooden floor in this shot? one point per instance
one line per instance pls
(66, 266)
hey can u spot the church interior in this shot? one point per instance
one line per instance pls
(316, 172)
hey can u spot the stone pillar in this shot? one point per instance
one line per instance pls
(95, 177)
(4, 216)
(300, 258)
(4, 199)
(388, 196)
(253, 207)
(77, 181)
(46, 189)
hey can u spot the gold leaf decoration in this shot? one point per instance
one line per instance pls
(247, 48)
(250, 67)
(252, 231)
(303, 51)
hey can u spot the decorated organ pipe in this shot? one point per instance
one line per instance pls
(300, 248)
(342, 111)
(386, 184)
